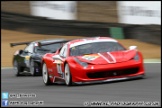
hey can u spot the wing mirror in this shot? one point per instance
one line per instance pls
(132, 47)
(56, 57)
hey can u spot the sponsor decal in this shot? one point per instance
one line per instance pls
(136, 12)
(27, 57)
(90, 57)
(66, 10)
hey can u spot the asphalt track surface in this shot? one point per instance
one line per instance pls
(147, 90)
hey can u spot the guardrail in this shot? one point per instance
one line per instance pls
(41, 25)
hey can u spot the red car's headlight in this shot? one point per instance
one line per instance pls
(84, 64)
(136, 57)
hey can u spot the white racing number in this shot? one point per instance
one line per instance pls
(58, 66)
(59, 70)
(59, 62)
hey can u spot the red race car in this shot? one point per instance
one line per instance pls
(92, 60)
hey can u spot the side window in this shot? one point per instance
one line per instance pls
(63, 52)
(29, 48)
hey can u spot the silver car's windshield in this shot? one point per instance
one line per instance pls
(48, 48)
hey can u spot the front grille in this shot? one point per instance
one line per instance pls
(112, 73)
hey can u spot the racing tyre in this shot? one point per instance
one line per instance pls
(32, 67)
(68, 77)
(45, 75)
(16, 68)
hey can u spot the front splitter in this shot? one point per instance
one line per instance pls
(111, 80)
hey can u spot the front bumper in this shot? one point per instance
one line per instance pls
(80, 74)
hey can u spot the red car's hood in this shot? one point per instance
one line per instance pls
(108, 57)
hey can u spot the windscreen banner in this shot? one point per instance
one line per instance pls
(139, 12)
(63, 10)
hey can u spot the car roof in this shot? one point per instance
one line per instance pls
(77, 42)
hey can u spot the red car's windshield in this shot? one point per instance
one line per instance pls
(96, 47)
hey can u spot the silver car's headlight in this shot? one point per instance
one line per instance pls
(84, 64)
